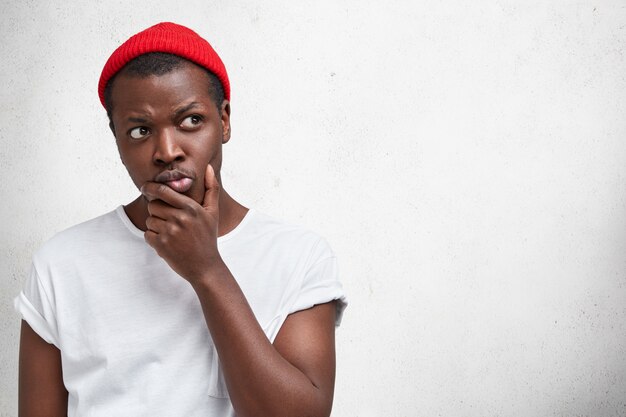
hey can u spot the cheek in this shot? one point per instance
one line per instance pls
(206, 148)
(122, 151)
(215, 158)
(134, 164)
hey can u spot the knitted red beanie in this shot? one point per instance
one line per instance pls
(170, 38)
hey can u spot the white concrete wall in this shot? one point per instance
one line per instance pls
(465, 159)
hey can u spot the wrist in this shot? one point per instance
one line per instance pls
(209, 275)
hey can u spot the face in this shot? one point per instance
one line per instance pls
(168, 129)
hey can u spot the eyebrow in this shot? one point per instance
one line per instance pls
(186, 108)
(177, 113)
(137, 120)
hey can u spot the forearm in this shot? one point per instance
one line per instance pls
(260, 381)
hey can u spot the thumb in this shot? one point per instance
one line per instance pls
(212, 189)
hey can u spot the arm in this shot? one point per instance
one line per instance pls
(41, 389)
(292, 377)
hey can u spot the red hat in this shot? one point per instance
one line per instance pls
(170, 38)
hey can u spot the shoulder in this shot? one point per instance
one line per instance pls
(282, 268)
(84, 237)
(278, 236)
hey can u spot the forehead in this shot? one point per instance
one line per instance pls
(184, 83)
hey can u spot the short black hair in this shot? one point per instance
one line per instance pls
(160, 63)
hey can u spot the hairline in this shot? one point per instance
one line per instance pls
(108, 89)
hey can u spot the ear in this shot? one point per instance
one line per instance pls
(225, 118)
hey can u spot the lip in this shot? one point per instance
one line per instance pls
(177, 180)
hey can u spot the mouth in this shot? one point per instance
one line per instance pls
(176, 180)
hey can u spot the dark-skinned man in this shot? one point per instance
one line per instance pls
(182, 302)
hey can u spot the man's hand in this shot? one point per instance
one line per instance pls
(183, 232)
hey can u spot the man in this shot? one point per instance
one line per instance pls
(183, 302)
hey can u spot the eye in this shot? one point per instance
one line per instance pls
(139, 132)
(190, 122)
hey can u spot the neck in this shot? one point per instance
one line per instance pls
(231, 213)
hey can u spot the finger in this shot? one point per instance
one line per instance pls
(160, 209)
(156, 225)
(157, 191)
(151, 237)
(212, 186)
(156, 240)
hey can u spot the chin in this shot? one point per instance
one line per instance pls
(196, 195)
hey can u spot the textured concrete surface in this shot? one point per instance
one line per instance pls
(465, 159)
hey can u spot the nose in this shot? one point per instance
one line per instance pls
(167, 149)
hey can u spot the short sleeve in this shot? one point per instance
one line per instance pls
(321, 284)
(34, 305)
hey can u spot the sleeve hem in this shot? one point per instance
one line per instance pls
(24, 307)
(320, 297)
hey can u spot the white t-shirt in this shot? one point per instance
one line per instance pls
(131, 332)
